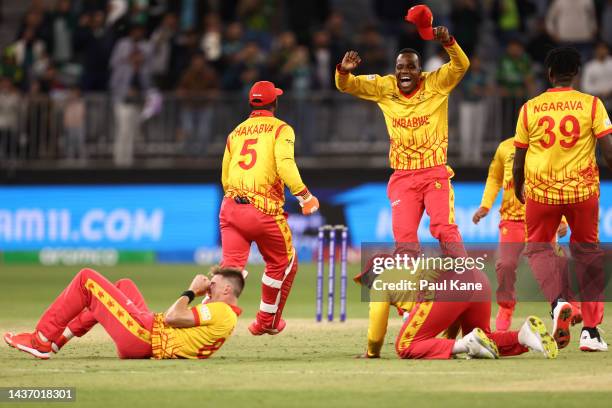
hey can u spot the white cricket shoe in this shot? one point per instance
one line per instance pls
(533, 335)
(590, 340)
(480, 346)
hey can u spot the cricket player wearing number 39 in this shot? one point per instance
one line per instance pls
(181, 332)
(257, 164)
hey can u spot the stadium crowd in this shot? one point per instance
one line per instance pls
(137, 50)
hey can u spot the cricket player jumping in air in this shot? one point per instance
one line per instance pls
(555, 175)
(512, 232)
(181, 332)
(257, 164)
(471, 312)
(415, 107)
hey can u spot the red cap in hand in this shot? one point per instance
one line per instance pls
(263, 93)
(421, 17)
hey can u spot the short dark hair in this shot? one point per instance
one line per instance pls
(564, 63)
(410, 51)
(234, 276)
(269, 106)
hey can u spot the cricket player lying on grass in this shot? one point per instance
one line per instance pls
(180, 332)
(428, 318)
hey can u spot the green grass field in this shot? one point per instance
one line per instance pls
(309, 364)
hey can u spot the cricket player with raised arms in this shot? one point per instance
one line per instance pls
(415, 107)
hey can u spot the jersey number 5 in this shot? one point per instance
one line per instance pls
(572, 133)
(248, 151)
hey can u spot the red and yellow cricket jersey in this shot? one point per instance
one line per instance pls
(215, 322)
(559, 129)
(259, 161)
(500, 176)
(417, 123)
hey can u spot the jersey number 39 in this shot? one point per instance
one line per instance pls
(568, 126)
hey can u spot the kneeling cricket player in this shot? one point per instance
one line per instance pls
(181, 332)
(427, 319)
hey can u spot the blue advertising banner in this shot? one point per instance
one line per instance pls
(180, 222)
(159, 217)
(368, 214)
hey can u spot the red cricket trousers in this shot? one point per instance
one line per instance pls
(91, 298)
(512, 236)
(417, 337)
(243, 224)
(413, 191)
(582, 217)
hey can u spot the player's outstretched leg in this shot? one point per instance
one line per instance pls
(533, 334)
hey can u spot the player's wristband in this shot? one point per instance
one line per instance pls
(190, 294)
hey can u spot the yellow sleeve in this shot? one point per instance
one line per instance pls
(225, 167)
(206, 314)
(601, 121)
(495, 180)
(521, 137)
(285, 160)
(367, 87)
(445, 78)
(377, 327)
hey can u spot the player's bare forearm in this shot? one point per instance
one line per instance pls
(605, 145)
(179, 314)
(518, 173)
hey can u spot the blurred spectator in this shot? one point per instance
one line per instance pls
(197, 87)
(466, 19)
(296, 72)
(282, 50)
(212, 40)
(540, 43)
(303, 16)
(34, 20)
(9, 68)
(130, 81)
(50, 83)
(473, 111)
(259, 20)
(130, 56)
(28, 51)
(10, 103)
(507, 20)
(370, 45)
(93, 44)
(187, 45)
(323, 64)
(248, 67)
(606, 27)
(74, 126)
(597, 75)
(62, 26)
(573, 22)
(515, 83)
(163, 40)
(233, 43)
(436, 60)
(339, 42)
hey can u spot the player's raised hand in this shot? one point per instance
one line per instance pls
(441, 34)
(350, 61)
(480, 214)
(199, 285)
